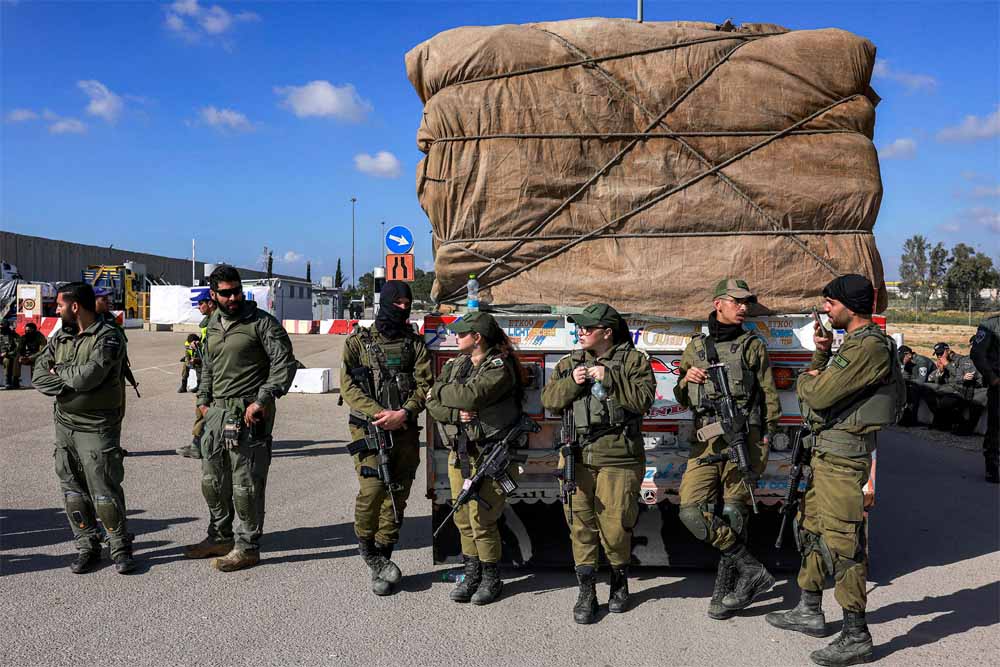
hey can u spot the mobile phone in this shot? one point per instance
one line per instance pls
(817, 320)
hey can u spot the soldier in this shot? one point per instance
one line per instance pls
(247, 365)
(916, 370)
(985, 355)
(31, 345)
(9, 341)
(608, 386)
(102, 306)
(82, 368)
(957, 382)
(845, 401)
(393, 356)
(191, 361)
(193, 451)
(740, 577)
(477, 400)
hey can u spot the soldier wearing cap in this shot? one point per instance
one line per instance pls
(985, 354)
(960, 389)
(846, 399)
(740, 577)
(608, 385)
(916, 370)
(477, 401)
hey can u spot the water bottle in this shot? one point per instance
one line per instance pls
(598, 391)
(454, 576)
(472, 289)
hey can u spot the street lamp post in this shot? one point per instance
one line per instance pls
(354, 276)
(381, 243)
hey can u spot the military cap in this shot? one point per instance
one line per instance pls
(940, 348)
(597, 315)
(480, 322)
(733, 287)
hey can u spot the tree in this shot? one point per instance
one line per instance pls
(421, 285)
(338, 278)
(968, 273)
(913, 268)
(937, 265)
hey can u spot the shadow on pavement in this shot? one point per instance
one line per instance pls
(959, 612)
(296, 448)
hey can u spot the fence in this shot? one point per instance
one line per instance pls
(944, 306)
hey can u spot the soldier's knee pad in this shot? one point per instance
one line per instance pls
(211, 489)
(112, 515)
(694, 519)
(243, 500)
(79, 510)
(737, 516)
(842, 565)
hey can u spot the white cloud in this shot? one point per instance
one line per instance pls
(913, 83)
(323, 99)
(900, 149)
(950, 227)
(192, 21)
(986, 191)
(292, 257)
(21, 115)
(224, 119)
(986, 217)
(67, 126)
(103, 103)
(973, 128)
(383, 165)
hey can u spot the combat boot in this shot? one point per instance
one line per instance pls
(725, 578)
(192, 451)
(208, 548)
(585, 609)
(852, 647)
(807, 617)
(124, 563)
(472, 575)
(236, 560)
(490, 586)
(376, 562)
(752, 579)
(390, 571)
(85, 561)
(618, 601)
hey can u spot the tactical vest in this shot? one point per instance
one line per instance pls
(393, 359)
(493, 420)
(839, 428)
(593, 417)
(742, 381)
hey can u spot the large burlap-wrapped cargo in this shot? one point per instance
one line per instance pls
(639, 163)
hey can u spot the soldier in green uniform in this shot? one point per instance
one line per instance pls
(396, 358)
(247, 365)
(916, 370)
(845, 401)
(82, 368)
(960, 391)
(9, 341)
(608, 385)
(193, 451)
(31, 345)
(740, 577)
(477, 400)
(985, 355)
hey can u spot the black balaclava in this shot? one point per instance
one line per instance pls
(722, 332)
(391, 319)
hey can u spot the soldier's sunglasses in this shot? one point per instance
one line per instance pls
(586, 331)
(229, 292)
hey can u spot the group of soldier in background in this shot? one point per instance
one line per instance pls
(603, 390)
(957, 389)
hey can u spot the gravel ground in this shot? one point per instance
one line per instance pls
(935, 533)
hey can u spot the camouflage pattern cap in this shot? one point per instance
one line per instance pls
(733, 287)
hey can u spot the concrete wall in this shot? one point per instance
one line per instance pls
(48, 260)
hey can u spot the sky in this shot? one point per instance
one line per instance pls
(245, 125)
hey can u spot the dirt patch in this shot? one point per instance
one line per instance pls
(921, 337)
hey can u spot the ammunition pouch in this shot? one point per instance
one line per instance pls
(231, 432)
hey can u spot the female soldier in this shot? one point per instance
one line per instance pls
(608, 386)
(478, 400)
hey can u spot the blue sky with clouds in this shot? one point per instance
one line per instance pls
(248, 124)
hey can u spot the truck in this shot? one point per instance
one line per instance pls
(533, 527)
(126, 284)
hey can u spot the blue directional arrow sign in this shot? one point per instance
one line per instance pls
(399, 240)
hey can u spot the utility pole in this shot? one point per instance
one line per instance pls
(381, 244)
(192, 264)
(354, 276)
(639, 11)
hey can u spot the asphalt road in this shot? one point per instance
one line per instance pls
(935, 535)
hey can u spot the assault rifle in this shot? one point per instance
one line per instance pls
(567, 447)
(793, 497)
(493, 466)
(732, 425)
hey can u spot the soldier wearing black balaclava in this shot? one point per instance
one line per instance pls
(388, 352)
